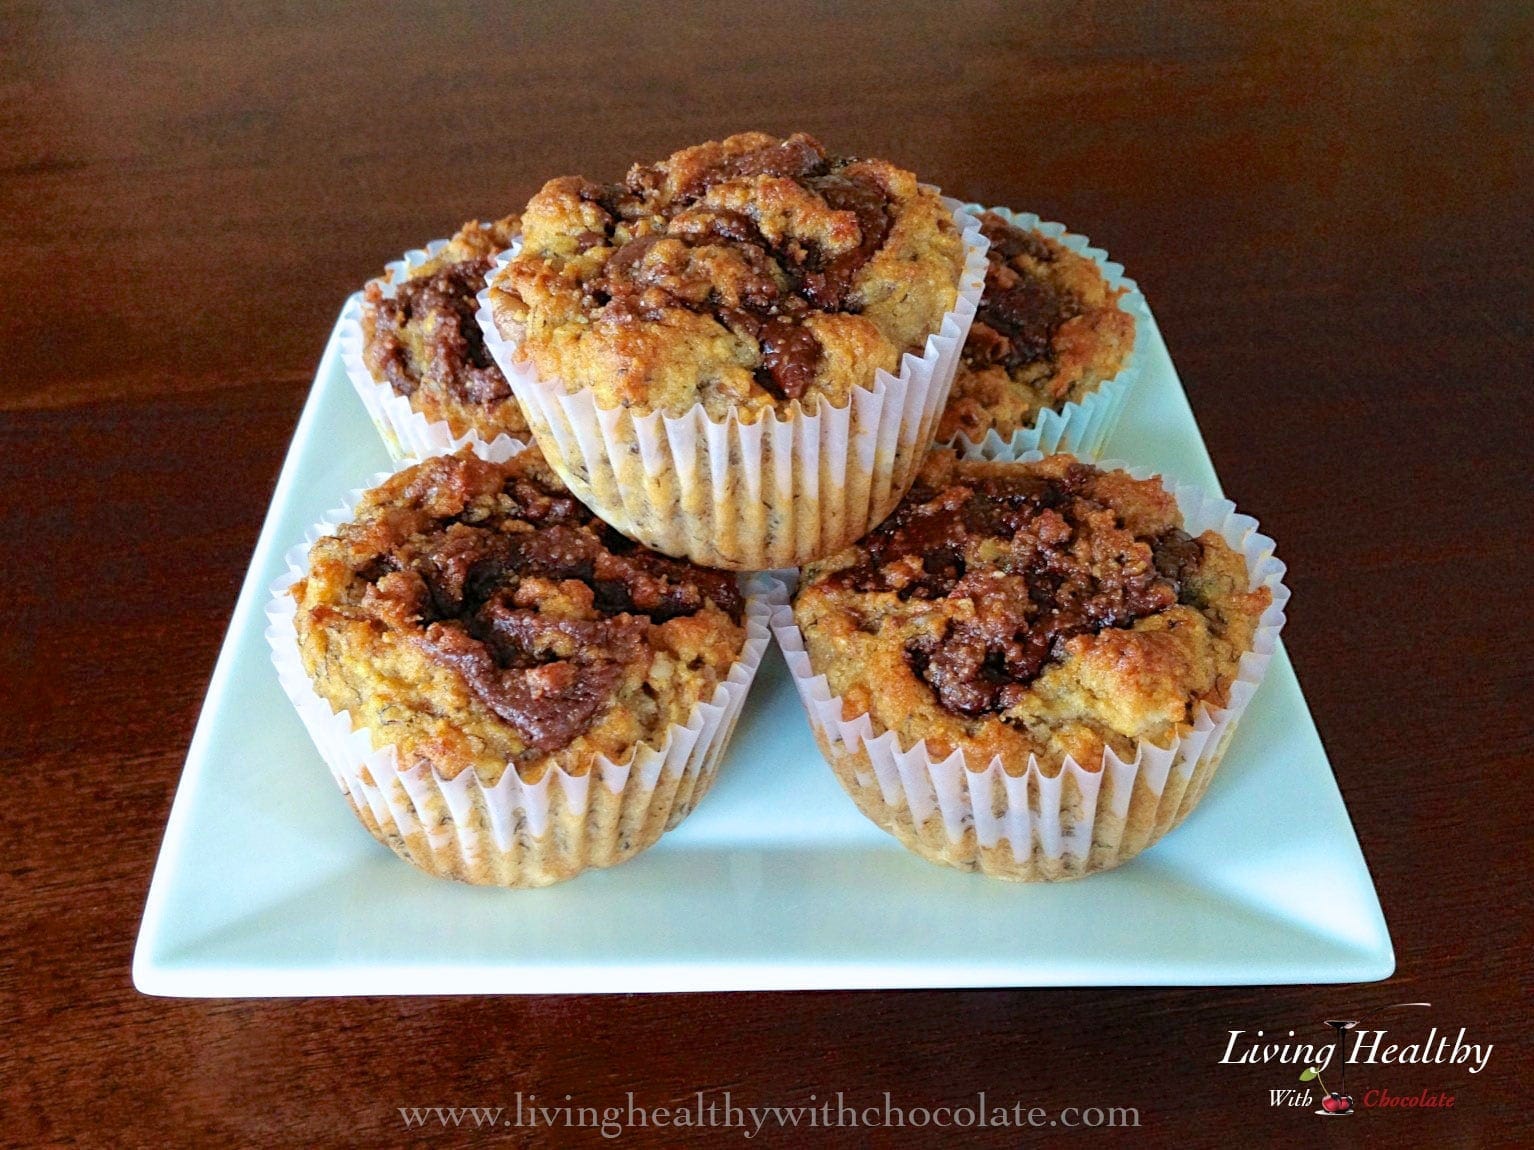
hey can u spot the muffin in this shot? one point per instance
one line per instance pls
(738, 354)
(1033, 668)
(1055, 333)
(521, 692)
(417, 357)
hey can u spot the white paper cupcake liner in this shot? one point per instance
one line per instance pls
(1081, 427)
(1043, 823)
(776, 492)
(407, 433)
(517, 833)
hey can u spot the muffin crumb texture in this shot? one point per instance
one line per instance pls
(1048, 609)
(475, 615)
(747, 275)
(1049, 330)
(422, 339)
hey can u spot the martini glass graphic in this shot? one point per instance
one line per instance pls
(1337, 1103)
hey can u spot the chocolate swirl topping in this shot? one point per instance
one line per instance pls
(788, 279)
(1039, 559)
(1021, 310)
(427, 333)
(460, 587)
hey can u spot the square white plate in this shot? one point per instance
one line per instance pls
(268, 885)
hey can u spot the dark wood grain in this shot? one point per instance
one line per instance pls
(1328, 210)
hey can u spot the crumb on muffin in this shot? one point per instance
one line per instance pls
(423, 339)
(1017, 609)
(1048, 332)
(746, 275)
(475, 615)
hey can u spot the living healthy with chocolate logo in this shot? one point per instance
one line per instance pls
(1352, 1043)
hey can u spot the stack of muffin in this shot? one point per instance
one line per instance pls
(623, 417)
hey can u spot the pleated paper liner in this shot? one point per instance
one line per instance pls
(775, 492)
(406, 432)
(516, 833)
(1033, 822)
(1081, 427)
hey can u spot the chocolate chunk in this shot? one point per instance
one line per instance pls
(548, 703)
(1051, 579)
(427, 333)
(1177, 556)
(661, 588)
(986, 344)
(460, 565)
(523, 637)
(783, 281)
(1009, 241)
(460, 593)
(1177, 553)
(617, 201)
(797, 158)
(718, 224)
(621, 265)
(537, 504)
(1026, 316)
(956, 669)
(1020, 311)
(829, 287)
(790, 354)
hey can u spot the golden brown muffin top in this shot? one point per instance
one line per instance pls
(745, 274)
(1045, 608)
(423, 339)
(475, 614)
(1049, 329)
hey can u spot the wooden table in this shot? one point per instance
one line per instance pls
(1329, 213)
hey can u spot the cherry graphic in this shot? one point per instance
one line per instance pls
(1334, 1103)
